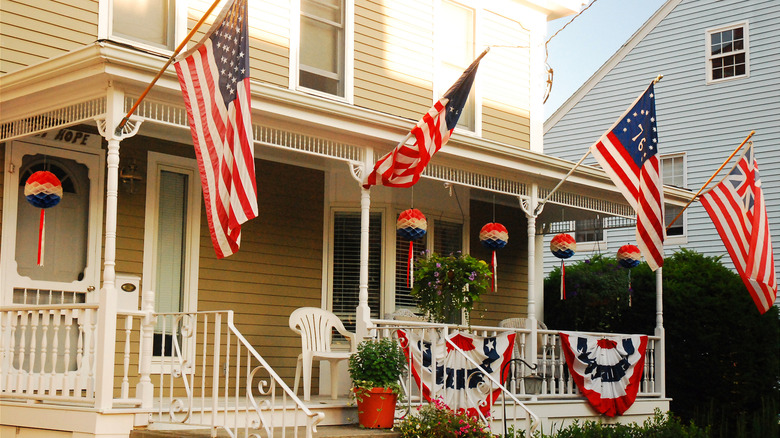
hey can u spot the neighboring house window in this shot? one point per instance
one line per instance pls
(673, 174)
(346, 265)
(321, 63)
(589, 231)
(456, 51)
(727, 53)
(447, 239)
(148, 22)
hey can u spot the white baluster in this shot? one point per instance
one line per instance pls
(47, 315)
(64, 317)
(33, 350)
(22, 345)
(125, 388)
(144, 390)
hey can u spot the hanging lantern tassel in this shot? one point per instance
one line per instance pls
(411, 225)
(43, 190)
(494, 236)
(563, 246)
(628, 256)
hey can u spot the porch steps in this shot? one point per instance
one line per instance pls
(348, 431)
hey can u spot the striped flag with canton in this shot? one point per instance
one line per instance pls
(214, 78)
(736, 206)
(627, 152)
(403, 166)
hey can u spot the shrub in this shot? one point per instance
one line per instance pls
(660, 426)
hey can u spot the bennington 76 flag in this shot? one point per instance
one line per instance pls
(736, 207)
(214, 78)
(606, 369)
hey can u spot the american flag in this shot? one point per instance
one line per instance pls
(214, 78)
(627, 152)
(736, 207)
(403, 166)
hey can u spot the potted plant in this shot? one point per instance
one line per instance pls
(375, 369)
(446, 285)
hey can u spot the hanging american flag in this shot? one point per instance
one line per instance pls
(627, 152)
(403, 166)
(736, 207)
(214, 78)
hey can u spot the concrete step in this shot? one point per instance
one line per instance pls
(347, 431)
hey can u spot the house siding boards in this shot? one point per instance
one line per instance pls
(706, 121)
(37, 30)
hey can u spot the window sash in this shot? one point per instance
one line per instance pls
(727, 53)
(150, 22)
(456, 47)
(322, 46)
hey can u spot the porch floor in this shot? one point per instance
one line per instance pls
(349, 431)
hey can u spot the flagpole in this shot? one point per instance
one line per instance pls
(711, 178)
(167, 64)
(555, 189)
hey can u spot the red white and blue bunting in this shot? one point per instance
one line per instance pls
(458, 381)
(606, 369)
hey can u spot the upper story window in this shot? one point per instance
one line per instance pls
(727, 53)
(673, 174)
(455, 44)
(322, 47)
(589, 231)
(150, 22)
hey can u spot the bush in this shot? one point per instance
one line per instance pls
(660, 426)
(437, 420)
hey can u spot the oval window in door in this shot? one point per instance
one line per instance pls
(66, 228)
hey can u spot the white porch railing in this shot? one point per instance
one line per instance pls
(546, 378)
(48, 352)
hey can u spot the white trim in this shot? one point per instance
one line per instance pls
(188, 166)
(94, 159)
(708, 57)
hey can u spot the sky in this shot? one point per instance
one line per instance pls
(590, 40)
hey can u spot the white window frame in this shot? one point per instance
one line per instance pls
(440, 86)
(349, 52)
(683, 238)
(591, 245)
(156, 163)
(106, 22)
(708, 57)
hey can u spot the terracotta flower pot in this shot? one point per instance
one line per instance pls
(376, 407)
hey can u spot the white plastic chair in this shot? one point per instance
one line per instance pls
(316, 326)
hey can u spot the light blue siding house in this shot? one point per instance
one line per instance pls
(721, 65)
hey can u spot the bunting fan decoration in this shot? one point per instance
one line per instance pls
(629, 257)
(494, 236)
(607, 369)
(411, 225)
(563, 246)
(43, 190)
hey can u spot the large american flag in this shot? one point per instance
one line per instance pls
(403, 166)
(627, 152)
(736, 206)
(214, 78)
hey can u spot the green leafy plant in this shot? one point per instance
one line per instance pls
(377, 364)
(446, 285)
(659, 426)
(437, 420)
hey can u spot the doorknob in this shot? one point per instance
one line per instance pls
(90, 288)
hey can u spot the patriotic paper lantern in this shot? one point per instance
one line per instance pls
(411, 225)
(628, 256)
(563, 246)
(43, 190)
(494, 236)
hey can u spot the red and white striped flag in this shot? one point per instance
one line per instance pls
(736, 207)
(627, 152)
(214, 78)
(403, 166)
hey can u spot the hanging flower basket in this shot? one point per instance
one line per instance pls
(444, 286)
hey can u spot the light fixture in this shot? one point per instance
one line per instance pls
(128, 176)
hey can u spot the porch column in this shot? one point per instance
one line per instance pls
(529, 207)
(660, 349)
(106, 324)
(363, 312)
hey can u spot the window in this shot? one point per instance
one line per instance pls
(727, 53)
(447, 239)
(455, 51)
(589, 230)
(346, 265)
(321, 64)
(673, 174)
(151, 22)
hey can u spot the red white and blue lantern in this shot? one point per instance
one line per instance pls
(411, 225)
(628, 256)
(563, 246)
(494, 236)
(43, 190)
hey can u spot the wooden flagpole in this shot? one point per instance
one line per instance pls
(711, 178)
(165, 67)
(555, 189)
